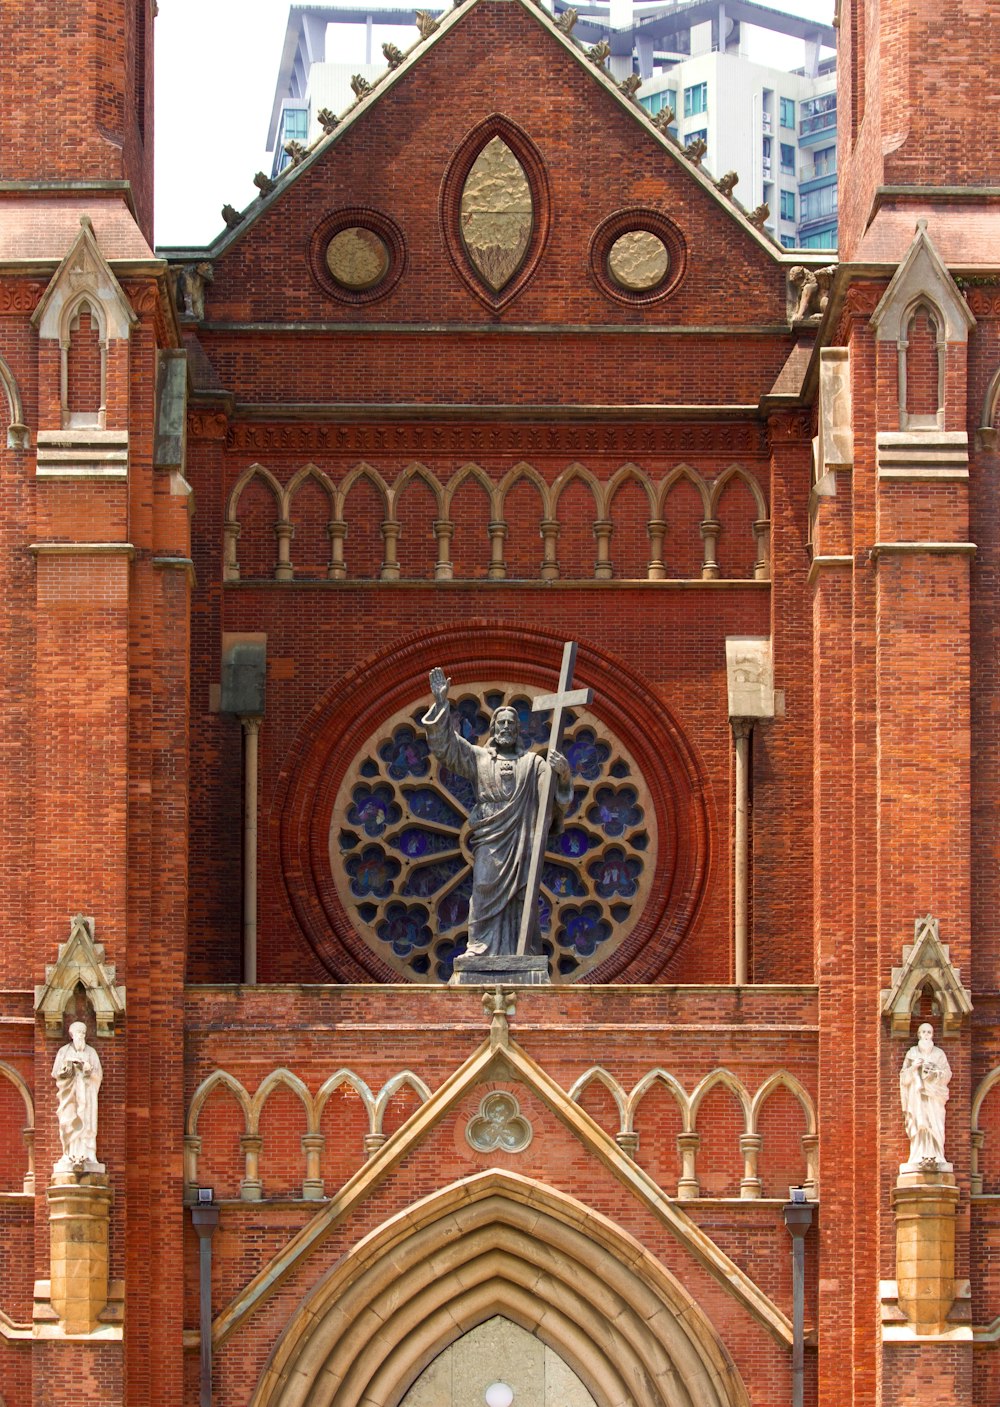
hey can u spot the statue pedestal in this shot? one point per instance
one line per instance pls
(925, 1205)
(79, 1209)
(507, 971)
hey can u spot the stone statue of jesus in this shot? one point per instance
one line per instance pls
(507, 780)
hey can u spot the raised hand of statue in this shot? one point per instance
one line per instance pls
(440, 685)
(560, 766)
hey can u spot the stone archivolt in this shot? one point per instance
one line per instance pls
(501, 1244)
(667, 541)
(746, 1155)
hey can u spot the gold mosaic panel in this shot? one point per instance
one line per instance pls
(638, 261)
(357, 258)
(496, 214)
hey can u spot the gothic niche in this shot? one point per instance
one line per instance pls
(399, 842)
(497, 214)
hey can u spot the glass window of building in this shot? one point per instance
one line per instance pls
(787, 115)
(824, 162)
(695, 99)
(817, 205)
(817, 114)
(788, 159)
(788, 205)
(656, 102)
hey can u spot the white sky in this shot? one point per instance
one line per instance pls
(216, 67)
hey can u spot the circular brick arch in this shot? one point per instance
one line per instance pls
(347, 716)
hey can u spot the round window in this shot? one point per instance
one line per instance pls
(399, 842)
(638, 260)
(357, 258)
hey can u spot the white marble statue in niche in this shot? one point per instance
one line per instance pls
(78, 1074)
(923, 1092)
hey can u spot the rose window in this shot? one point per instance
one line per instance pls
(399, 841)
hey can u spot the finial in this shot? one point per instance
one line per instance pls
(630, 85)
(598, 55)
(663, 119)
(87, 223)
(327, 120)
(232, 216)
(426, 23)
(694, 151)
(296, 151)
(360, 86)
(759, 215)
(566, 21)
(499, 1007)
(264, 183)
(394, 56)
(726, 183)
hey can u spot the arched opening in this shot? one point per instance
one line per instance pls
(492, 1247)
(498, 1362)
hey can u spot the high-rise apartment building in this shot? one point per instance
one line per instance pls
(776, 128)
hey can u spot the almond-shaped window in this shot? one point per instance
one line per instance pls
(497, 214)
(495, 210)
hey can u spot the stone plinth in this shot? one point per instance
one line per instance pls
(925, 1205)
(508, 971)
(79, 1208)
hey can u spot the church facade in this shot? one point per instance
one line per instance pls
(495, 366)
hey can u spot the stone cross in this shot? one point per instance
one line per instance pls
(563, 699)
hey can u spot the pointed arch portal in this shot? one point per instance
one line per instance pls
(499, 1244)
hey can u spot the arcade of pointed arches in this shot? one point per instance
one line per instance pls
(375, 1105)
(658, 526)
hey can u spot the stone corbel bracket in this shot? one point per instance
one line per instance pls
(926, 962)
(80, 962)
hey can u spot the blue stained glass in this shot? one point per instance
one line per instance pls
(544, 913)
(366, 912)
(620, 912)
(374, 808)
(428, 879)
(460, 789)
(453, 909)
(405, 754)
(372, 872)
(535, 727)
(573, 842)
(579, 797)
(472, 721)
(562, 882)
(416, 842)
(427, 805)
(421, 963)
(620, 768)
(584, 928)
(405, 927)
(615, 873)
(446, 954)
(615, 811)
(639, 841)
(567, 964)
(586, 755)
(492, 701)
(348, 839)
(368, 768)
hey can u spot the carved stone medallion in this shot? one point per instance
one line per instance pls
(357, 258)
(496, 214)
(638, 260)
